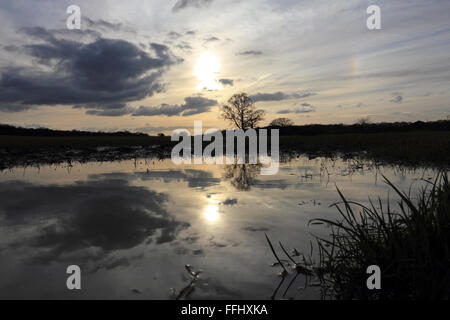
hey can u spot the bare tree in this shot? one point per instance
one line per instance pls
(363, 121)
(241, 111)
(282, 122)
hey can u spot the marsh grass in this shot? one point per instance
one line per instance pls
(406, 148)
(410, 243)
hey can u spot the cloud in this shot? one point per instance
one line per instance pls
(109, 112)
(250, 53)
(11, 48)
(226, 82)
(174, 35)
(183, 45)
(191, 106)
(105, 25)
(183, 4)
(279, 96)
(107, 215)
(212, 39)
(397, 98)
(305, 108)
(356, 105)
(194, 178)
(100, 75)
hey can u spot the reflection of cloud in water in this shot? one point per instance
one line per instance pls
(194, 178)
(86, 220)
(255, 229)
(230, 202)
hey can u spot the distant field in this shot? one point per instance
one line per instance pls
(415, 148)
(411, 147)
(83, 141)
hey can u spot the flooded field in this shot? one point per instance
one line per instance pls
(133, 226)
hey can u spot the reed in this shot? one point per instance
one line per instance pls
(410, 243)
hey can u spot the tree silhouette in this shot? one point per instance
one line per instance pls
(363, 121)
(241, 111)
(282, 122)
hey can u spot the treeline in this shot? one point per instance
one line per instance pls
(45, 132)
(303, 130)
(317, 129)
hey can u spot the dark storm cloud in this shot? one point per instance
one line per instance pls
(183, 4)
(192, 105)
(108, 215)
(279, 96)
(97, 75)
(250, 53)
(226, 82)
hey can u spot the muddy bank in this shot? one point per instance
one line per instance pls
(24, 157)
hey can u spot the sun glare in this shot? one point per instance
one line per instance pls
(212, 213)
(206, 71)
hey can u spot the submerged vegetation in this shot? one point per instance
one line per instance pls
(410, 243)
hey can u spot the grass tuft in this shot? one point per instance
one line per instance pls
(410, 244)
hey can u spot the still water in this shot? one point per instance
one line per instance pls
(132, 226)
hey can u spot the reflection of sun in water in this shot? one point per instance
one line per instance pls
(211, 213)
(206, 70)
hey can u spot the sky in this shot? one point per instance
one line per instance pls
(155, 66)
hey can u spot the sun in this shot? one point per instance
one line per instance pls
(206, 71)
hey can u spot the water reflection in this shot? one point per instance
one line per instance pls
(133, 225)
(211, 213)
(87, 221)
(242, 176)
